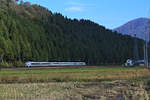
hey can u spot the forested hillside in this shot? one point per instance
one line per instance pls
(31, 32)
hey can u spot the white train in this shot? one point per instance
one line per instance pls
(30, 63)
(131, 62)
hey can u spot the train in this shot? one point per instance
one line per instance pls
(130, 62)
(31, 63)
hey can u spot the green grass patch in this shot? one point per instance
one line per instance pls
(65, 70)
(71, 74)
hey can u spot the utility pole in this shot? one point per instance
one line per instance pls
(135, 51)
(146, 42)
(145, 53)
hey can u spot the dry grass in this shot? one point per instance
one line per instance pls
(73, 91)
(74, 84)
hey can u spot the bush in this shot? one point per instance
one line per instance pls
(6, 64)
(19, 64)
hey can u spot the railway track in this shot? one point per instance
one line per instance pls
(56, 67)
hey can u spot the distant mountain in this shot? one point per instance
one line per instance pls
(137, 26)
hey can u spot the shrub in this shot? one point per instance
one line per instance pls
(19, 64)
(6, 64)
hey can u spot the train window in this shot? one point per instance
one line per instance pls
(35, 63)
(46, 63)
(55, 63)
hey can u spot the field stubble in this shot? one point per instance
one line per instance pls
(75, 84)
(116, 90)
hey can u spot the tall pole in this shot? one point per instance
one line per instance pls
(145, 48)
(146, 53)
(148, 41)
(135, 51)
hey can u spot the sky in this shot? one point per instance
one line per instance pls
(109, 13)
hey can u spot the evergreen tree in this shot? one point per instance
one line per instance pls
(32, 32)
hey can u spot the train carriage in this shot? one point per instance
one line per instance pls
(29, 64)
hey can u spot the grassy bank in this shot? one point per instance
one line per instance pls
(72, 75)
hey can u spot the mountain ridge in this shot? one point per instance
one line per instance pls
(138, 26)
